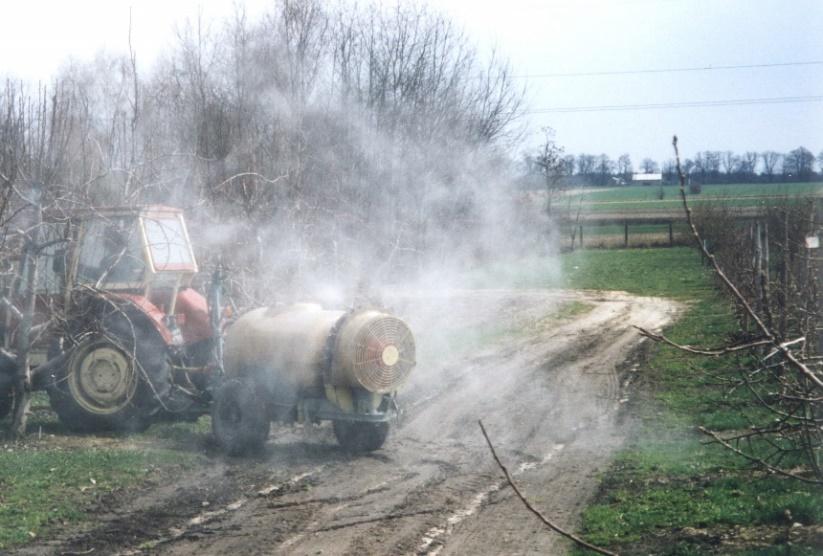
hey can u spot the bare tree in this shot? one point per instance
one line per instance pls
(771, 162)
(624, 167)
(604, 168)
(799, 164)
(748, 164)
(586, 164)
(730, 163)
(649, 166)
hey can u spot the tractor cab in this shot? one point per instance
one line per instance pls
(123, 335)
(132, 250)
(140, 255)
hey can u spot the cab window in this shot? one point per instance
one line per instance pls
(111, 252)
(168, 244)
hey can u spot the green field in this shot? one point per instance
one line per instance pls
(650, 193)
(639, 197)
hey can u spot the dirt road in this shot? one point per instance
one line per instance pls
(547, 388)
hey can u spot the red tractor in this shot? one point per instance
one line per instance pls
(124, 338)
(126, 335)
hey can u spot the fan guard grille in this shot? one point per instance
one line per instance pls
(384, 354)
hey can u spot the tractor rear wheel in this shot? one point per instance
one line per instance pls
(240, 418)
(358, 437)
(115, 377)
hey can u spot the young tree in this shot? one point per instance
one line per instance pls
(549, 164)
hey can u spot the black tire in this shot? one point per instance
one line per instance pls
(131, 357)
(358, 437)
(240, 418)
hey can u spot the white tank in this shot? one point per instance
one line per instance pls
(369, 349)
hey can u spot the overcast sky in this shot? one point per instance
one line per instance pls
(541, 38)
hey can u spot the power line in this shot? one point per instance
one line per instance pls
(666, 70)
(671, 105)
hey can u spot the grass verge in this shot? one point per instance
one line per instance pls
(668, 492)
(56, 479)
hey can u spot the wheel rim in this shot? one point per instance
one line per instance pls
(102, 378)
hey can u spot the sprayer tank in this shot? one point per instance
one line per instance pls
(309, 346)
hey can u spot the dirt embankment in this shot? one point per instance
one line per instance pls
(548, 391)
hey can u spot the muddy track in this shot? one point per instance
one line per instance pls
(549, 397)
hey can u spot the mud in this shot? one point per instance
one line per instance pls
(548, 391)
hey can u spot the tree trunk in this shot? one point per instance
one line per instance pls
(22, 395)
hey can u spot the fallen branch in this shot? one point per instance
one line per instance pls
(711, 352)
(534, 510)
(758, 461)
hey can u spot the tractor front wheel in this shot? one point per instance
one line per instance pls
(358, 437)
(114, 379)
(240, 418)
(98, 389)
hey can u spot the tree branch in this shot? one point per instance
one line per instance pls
(711, 352)
(758, 461)
(534, 510)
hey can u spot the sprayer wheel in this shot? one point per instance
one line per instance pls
(239, 418)
(357, 437)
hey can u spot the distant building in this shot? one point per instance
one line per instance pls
(647, 179)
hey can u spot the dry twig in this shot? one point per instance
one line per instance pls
(710, 352)
(758, 461)
(534, 510)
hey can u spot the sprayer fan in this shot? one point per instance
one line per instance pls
(384, 354)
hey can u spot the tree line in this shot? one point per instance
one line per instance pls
(550, 161)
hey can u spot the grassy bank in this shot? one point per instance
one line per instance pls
(57, 479)
(669, 492)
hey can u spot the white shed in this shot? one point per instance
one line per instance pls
(647, 179)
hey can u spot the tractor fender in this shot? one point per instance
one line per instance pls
(152, 313)
(195, 324)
